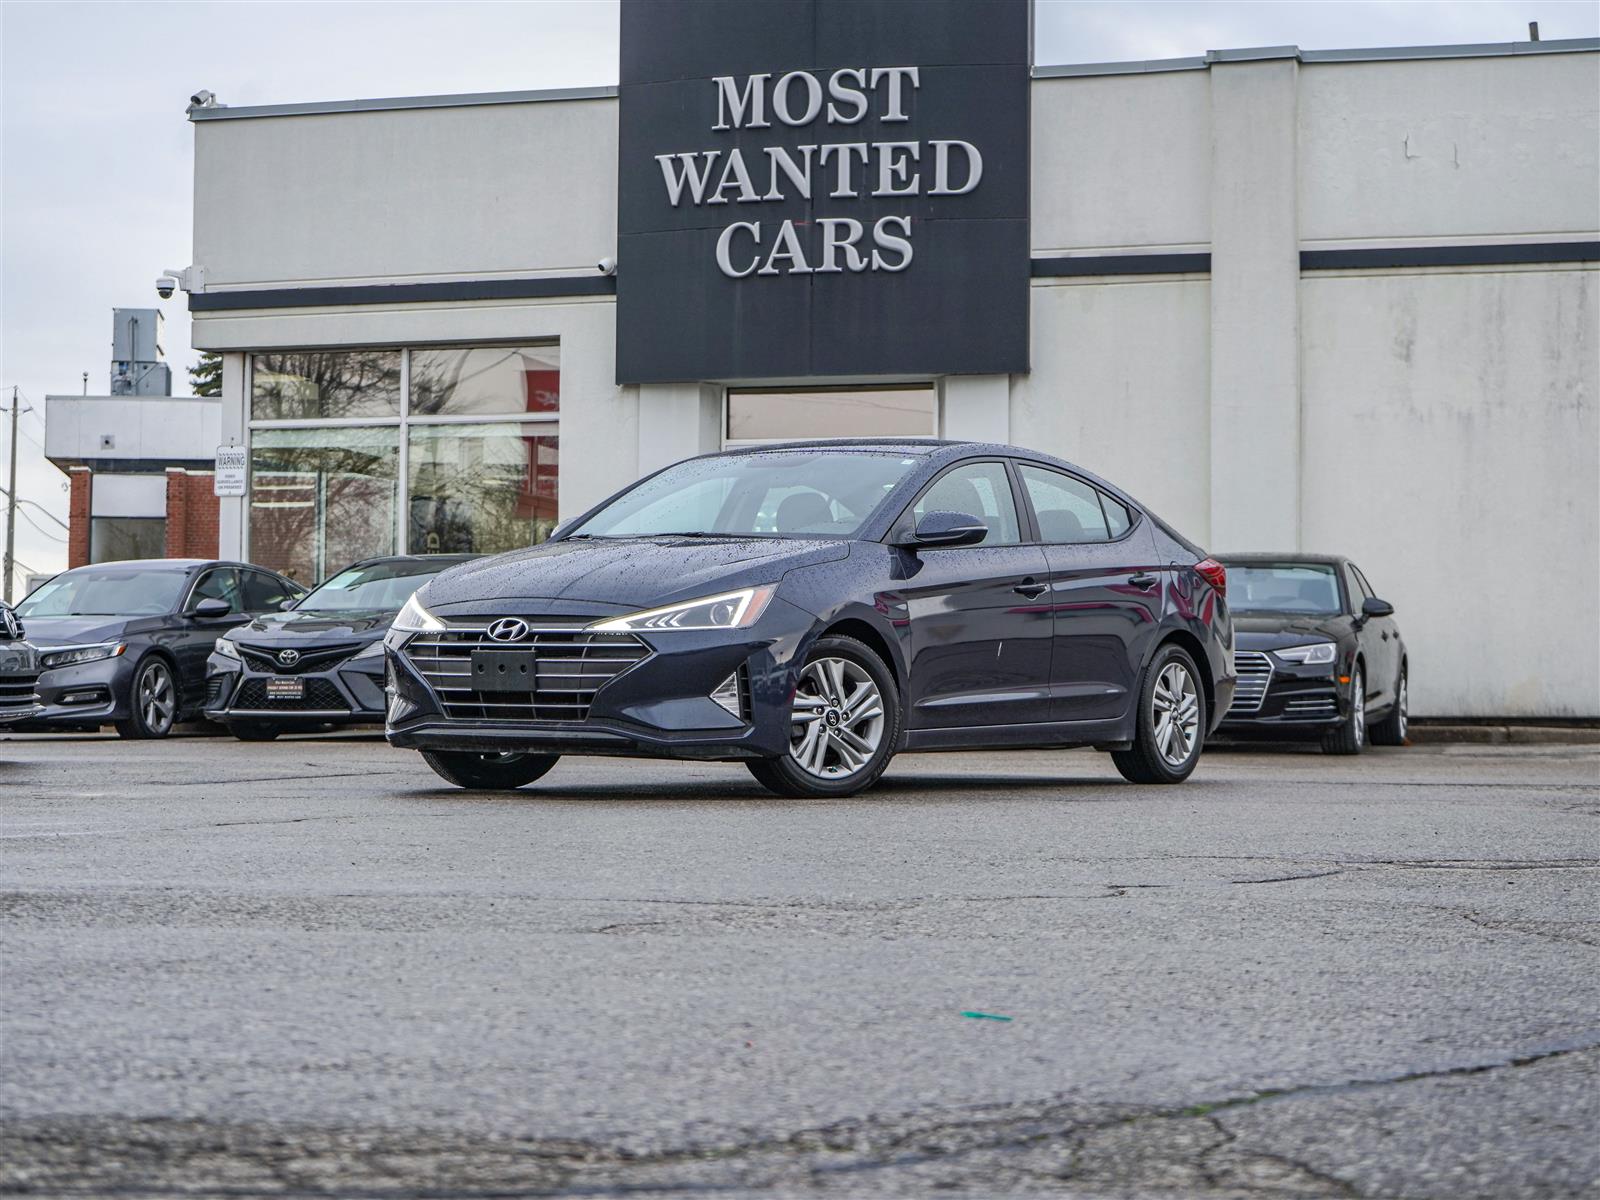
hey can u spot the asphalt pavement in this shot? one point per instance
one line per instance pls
(308, 968)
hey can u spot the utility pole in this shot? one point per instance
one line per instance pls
(11, 498)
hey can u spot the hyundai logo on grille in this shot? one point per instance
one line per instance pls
(508, 629)
(288, 657)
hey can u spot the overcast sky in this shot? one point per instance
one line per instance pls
(96, 152)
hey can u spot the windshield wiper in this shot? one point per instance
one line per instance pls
(701, 533)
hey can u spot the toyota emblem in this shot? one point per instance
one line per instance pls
(288, 657)
(508, 629)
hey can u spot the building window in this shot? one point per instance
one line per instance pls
(117, 539)
(794, 414)
(470, 433)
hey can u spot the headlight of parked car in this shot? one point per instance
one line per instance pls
(73, 656)
(414, 618)
(731, 610)
(227, 649)
(1316, 652)
(373, 650)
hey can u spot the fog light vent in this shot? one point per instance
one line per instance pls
(730, 695)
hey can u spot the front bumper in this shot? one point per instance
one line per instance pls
(90, 694)
(345, 693)
(657, 706)
(1297, 701)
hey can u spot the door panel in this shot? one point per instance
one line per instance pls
(195, 637)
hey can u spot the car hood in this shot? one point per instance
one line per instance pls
(630, 573)
(1268, 631)
(76, 631)
(296, 627)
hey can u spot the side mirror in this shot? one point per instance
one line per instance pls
(1373, 607)
(286, 605)
(211, 608)
(946, 529)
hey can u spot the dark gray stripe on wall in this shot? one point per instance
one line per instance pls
(541, 288)
(1449, 256)
(1122, 264)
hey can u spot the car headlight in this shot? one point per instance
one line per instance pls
(72, 656)
(227, 649)
(414, 618)
(731, 610)
(1310, 655)
(371, 650)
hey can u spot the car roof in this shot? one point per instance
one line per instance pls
(825, 445)
(1258, 556)
(176, 564)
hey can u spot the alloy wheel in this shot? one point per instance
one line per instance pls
(156, 699)
(838, 719)
(1404, 702)
(1175, 712)
(1359, 716)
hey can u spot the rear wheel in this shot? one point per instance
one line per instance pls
(153, 703)
(1392, 730)
(1350, 736)
(844, 724)
(1172, 722)
(488, 772)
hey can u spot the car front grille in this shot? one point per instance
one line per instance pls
(320, 696)
(17, 693)
(1321, 705)
(265, 658)
(573, 664)
(1255, 673)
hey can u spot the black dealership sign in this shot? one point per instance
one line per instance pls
(822, 187)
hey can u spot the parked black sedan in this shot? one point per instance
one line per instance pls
(810, 609)
(19, 671)
(321, 661)
(125, 643)
(1319, 654)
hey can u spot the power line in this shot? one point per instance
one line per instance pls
(43, 532)
(40, 507)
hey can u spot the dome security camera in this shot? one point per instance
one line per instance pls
(165, 286)
(606, 266)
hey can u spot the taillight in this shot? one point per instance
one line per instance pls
(1213, 573)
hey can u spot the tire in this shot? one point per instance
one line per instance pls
(1392, 730)
(1350, 735)
(152, 701)
(839, 745)
(488, 772)
(254, 733)
(1171, 728)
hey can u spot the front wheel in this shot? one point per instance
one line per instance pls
(1350, 736)
(844, 724)
(1392, 730)
(488, 772)
(153, 704)
(1172, 722)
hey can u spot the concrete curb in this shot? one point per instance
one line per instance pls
(1425, 734)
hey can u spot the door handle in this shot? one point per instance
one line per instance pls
(1144, 580)
(1030, 587)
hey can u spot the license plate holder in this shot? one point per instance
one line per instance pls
(291, 688)
(505, 671)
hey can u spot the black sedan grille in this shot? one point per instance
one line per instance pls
(320, 696)
(573, 664)
(17, 693)
(1255, 673)
(318, 658)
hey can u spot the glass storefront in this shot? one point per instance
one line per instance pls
(469, 433)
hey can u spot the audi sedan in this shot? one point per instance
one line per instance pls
(1320, 657)
(811, 609)
(319, 662)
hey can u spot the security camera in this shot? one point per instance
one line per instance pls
(202, 99)
(165, 286)
(606, 266)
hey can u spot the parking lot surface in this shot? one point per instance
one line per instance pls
(309, 968)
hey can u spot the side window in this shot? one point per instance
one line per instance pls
(1362, 580)
(1356, 585)
(1068, 509)
(264, 593)
(981, 490)
(1118, 519)
(220, 583)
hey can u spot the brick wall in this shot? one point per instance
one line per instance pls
(191, 514)
(78, 516)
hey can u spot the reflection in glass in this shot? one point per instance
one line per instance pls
(788, 414)
(481, 489)
(322, 498)
(486, 381)
(325, 383)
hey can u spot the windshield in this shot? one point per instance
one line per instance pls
(1284, 587)
(106, 592)
(376, 587)
(776, 494)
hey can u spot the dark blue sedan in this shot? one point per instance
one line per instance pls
(810, 609)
